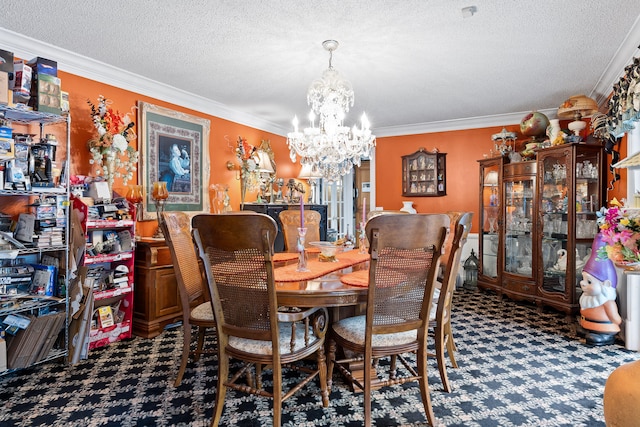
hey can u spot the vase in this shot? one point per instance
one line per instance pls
(109, 168)
(408, 207)
(553, 129)
(243, 190)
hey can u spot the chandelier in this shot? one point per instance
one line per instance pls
(330, 148)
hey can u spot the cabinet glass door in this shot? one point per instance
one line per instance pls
(489, 226)
(559, 202)
(518, 244)
(555, 224)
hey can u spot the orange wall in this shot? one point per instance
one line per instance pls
(222, 138)
(463, 149)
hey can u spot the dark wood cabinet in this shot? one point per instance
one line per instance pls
(424, 174)
(539, 219)
(156, 299)
(273, 210)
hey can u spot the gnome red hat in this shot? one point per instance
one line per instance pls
(601, 269)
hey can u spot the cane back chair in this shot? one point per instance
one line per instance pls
(194, 296)
(290, 220)
(237, 253)
(404, 257)
(440, 316)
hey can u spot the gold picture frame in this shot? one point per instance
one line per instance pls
(171, 139)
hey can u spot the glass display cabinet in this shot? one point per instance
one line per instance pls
(519, 260)
(490, 213)
(572, 190)
(546, 222)
(424, 174)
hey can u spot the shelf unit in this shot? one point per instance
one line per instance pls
(47, 306)
(112, 276)
(424, 174)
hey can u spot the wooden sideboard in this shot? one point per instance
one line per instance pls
(156, 300)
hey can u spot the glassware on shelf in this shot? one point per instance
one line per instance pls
(160, 194)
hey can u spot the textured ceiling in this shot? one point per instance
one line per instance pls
(413, 63)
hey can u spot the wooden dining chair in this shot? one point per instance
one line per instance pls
(237, 253)
(404, 257)
(440, 316)
(290, 220)
(375, 213)
(194, 297)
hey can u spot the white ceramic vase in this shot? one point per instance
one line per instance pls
(553, 129)
(408, 207)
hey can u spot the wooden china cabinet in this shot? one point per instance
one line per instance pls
(546, 216)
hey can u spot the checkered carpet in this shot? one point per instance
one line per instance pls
(518, 367)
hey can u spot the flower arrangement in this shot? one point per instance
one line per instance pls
(111, 150)
(620, 231)
(245, 153)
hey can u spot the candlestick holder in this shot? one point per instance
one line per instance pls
(302, 253)
(160, 195)
(362, 239)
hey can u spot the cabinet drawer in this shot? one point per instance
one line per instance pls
(518, 286)
(519, 168)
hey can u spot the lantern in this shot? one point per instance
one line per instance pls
(471, 267)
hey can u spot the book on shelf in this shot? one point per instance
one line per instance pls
(105, 315)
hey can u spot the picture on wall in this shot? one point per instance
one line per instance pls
(174, 148)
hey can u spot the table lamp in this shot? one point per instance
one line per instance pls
(265, 168)
(312, 175)
(577, 107)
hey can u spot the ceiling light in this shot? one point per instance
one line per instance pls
(330, 147)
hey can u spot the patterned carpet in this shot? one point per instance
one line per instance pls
(518, 367)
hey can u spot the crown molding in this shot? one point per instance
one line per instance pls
(459, 124)
(624, 56)
(74, 63)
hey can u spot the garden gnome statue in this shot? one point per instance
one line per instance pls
(598, 309)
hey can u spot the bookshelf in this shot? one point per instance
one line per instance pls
(34, 255)
(107, 270)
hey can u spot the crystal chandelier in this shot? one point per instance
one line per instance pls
(330, 148)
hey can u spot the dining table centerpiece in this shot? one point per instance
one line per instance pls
(620, 230)
(110, 150)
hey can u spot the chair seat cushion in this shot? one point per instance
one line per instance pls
(264, 347)
(202, 312)
(352, 329)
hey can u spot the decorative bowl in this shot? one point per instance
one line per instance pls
(328, 251)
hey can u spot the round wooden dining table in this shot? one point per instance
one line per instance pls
(325, 291)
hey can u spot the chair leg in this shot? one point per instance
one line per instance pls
(451, 345)
(221, 389)
(277, 395)
(322, 374)
(366, 395)
(440, 357)
(424, 385)
(186, 347)
(330, 364)
(201, 332)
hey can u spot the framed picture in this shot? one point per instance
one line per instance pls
(175, 149)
